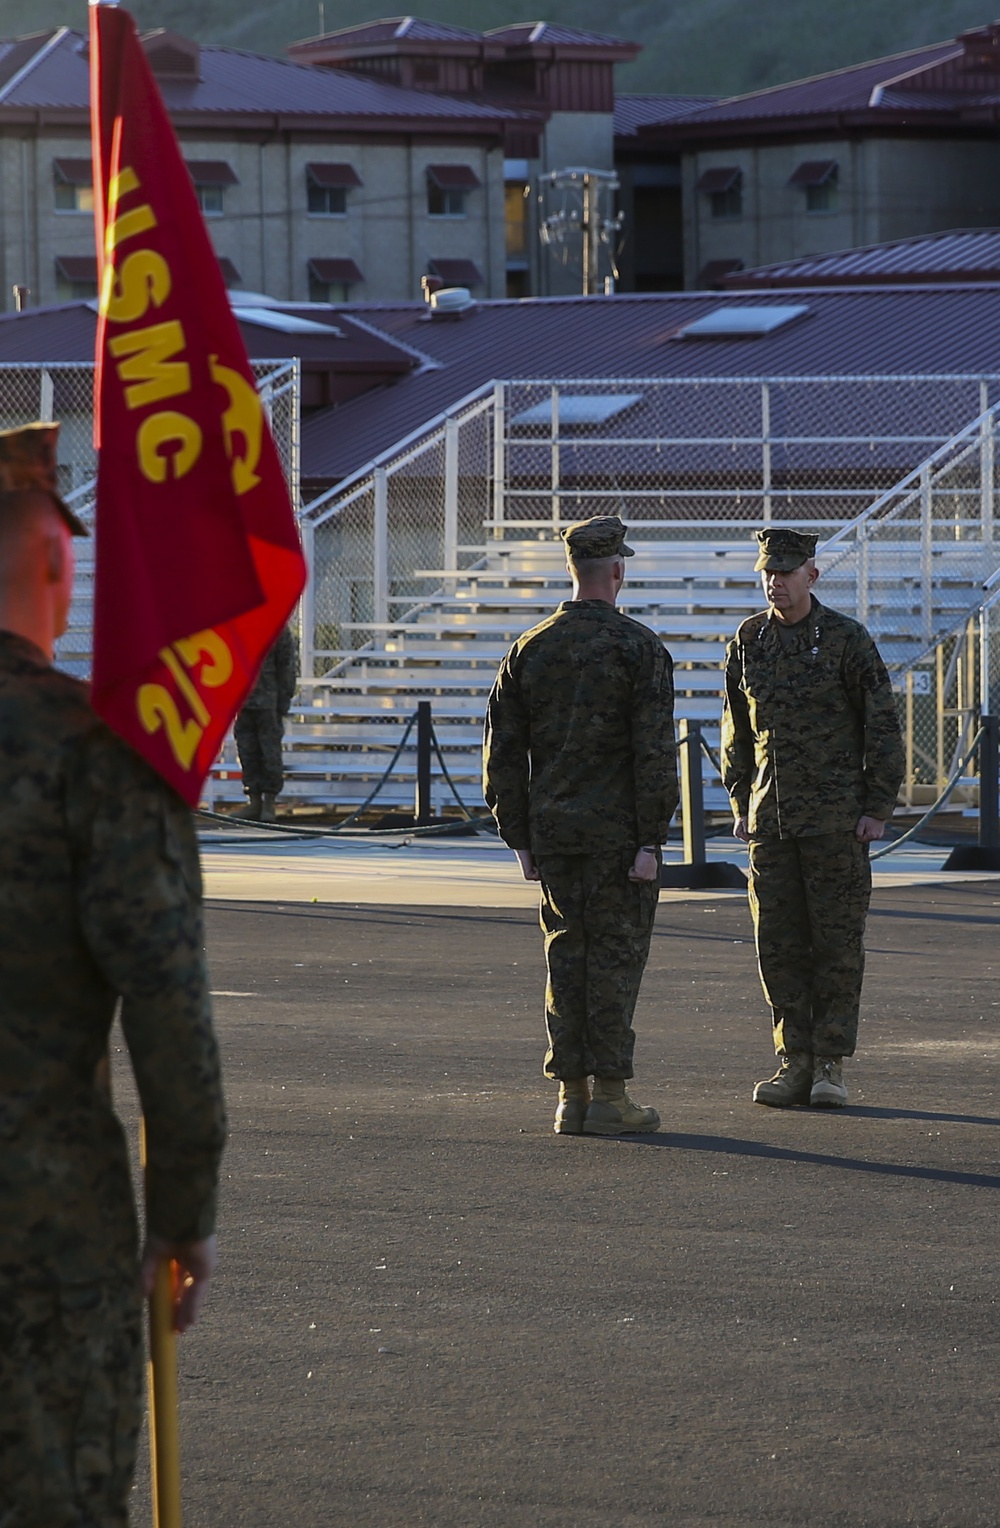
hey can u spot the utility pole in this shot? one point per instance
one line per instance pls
(582, 218)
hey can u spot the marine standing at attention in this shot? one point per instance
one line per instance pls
(580, 773)
(259, 729)
(812, 760)
(100, 901)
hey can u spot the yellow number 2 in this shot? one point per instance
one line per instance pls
(157, 708)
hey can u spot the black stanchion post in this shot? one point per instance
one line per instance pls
(986, 854)
(696, 874)
(989, 773)
(422, 805)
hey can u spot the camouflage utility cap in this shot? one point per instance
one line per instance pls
(28, 461)
(601, 536)
(782, 550)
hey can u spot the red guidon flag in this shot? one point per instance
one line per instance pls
(198, 557)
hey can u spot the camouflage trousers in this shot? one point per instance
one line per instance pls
(258, 733)
(70, 1404)
(809, 898)
(597, 926)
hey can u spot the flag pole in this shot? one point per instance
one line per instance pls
(161, 1378)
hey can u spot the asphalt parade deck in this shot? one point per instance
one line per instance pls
(431, 1310)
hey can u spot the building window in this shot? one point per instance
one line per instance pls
(724, 188)
(819, 179)
(328, 291)
(327, 186)
(211, 200)
(822, 198)
(331, 280)
(328, 201)
(211, 177)
(73, 185)
(445, 204)
(76, 278)
(728, 204)
(448, 186)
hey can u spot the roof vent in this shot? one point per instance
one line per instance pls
(451, 302)
(742, 323)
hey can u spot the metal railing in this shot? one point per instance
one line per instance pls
(889, 466)
(65, 391)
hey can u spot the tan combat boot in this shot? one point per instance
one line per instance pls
(267, 812)
(612, 1112)
(828, 1088)
(574, 1098)
(252, 810)
(790, 1084)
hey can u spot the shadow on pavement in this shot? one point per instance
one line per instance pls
(949, 1119)
(730, 1146)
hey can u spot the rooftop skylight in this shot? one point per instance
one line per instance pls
(285, 323)
(742, 323)
(579, 408)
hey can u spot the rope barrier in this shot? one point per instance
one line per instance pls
(288, 830)
(932, 810)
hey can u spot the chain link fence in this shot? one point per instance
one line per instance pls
(379, 547)
(65, 391)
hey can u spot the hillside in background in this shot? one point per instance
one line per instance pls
(716, 47)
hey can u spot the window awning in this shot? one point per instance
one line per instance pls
(723, 178)
(456, 272)
(814, 172)
(333, 176)
(77, 267)
(453, 177)
(212, 172)
(230, 274)
(335, 270)
(73, 172)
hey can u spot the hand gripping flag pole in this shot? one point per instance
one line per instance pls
(198, 560)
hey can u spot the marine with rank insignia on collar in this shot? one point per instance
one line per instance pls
(813, 760)
(579, 770)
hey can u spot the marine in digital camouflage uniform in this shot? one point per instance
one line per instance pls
(100, 902)
(580, 773)
(813, 760)
(260, 726)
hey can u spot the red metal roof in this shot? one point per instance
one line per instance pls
(860, 89)
(547, 34)
(246, 87)
(635, 111)
(965, 255)
(413, 28)
(863, 332)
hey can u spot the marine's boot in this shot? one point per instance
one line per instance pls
(790, 1084)
(267, 812)
(612, 1112)
(253, 808)
(574, 1097)
(828, 1087)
